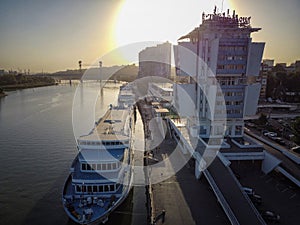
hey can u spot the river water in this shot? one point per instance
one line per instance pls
(37, 146)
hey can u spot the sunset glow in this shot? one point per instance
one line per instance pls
(157, 20)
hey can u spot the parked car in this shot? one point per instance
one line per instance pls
(271, 134)
(279, 140)
(265, 131)
(296, 149)
(256, 199)
(249, 191)
(270, 216)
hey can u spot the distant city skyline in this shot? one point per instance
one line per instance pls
(53, 35)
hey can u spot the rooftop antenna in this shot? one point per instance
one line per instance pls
(222, 6)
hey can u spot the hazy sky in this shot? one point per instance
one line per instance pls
(52, 35)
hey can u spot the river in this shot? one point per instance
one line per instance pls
(38, 146)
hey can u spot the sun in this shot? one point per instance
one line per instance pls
(160, 20)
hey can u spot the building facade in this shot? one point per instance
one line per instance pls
(223, 62)
(155, 61)
(266, 68)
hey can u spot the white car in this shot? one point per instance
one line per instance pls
(271, 134)
(296, 149)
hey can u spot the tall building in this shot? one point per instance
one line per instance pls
(223, 62)
(268, 64)
(266, 67)
(155, 61)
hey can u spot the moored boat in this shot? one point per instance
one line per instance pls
(101, 174)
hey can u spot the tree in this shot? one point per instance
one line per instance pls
(278, 68)
(296, 130)
(262, 120)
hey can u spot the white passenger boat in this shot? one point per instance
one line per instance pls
(101, 174)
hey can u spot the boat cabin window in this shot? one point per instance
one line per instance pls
(112, 187)
(96, 188)
(100, 166)
(89, 188)
(88, 167)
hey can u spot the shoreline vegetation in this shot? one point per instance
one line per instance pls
(10, 82)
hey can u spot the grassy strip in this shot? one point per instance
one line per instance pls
(14, 87)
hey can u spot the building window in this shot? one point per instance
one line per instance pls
(203, 130)
(240, 67)
(238, 130)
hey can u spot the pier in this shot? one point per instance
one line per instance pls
(180, 199)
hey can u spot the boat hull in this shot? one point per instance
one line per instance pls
(104, 217)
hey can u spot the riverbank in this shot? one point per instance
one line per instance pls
(14, 87)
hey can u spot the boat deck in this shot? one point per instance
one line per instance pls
(87, 208)
(112, 126)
